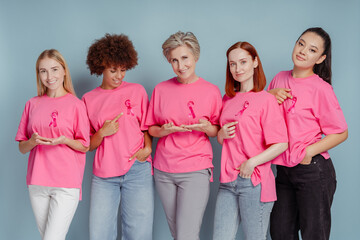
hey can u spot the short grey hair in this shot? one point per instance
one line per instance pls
(181, 39)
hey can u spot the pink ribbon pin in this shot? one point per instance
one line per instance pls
(190, 106)
(129, 108)
(246, 105)
(54, 116)
(292, 107)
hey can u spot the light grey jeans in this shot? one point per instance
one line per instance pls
(239, 201)
(184, 197)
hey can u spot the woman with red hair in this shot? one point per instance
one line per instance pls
(250, 141)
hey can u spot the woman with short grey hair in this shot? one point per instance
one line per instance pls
(183, 113)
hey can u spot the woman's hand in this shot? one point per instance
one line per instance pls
(27, 145)
(36, 139)
(53, 141)
(110, 127)
(169, 128)
(202, 126)
(141, 155)
(281, 94)
(227, 131)
(246, 168)
(308, 156)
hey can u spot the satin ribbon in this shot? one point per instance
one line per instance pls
(292, 107)
(54, 116)
(129, 108)
(190, 106)
(245, 106)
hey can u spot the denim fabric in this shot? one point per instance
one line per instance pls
(54, 209)
(305, 194)
(184, 197)
(239, 201)
(135, 191)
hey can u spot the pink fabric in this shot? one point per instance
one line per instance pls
(112, 156)
(314, 113)
(260, 125)
(55, 166)
(179, 103)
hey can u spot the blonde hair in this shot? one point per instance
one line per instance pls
(181, 39)
(55, 55)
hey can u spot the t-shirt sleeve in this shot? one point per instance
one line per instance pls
(273, 123)
(277, 81)
(92, 130)
(328, 112)
(216, 108)
(81, 125)
(150, 117)
(22, 133)
(144, 110)
(272, 83)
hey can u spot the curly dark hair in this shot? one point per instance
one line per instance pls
(111, 50)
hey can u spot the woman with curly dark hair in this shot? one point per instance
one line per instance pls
(122, 164)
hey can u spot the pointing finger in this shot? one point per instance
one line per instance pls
(230, 124)
(117, 117)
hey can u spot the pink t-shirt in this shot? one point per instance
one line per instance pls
(59, 165)
(260, 125)
(112, 155)
(313, 112)
(179, 103)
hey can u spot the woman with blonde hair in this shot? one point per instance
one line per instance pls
(54, 128)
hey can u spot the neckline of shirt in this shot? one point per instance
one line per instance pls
(56, 98)
(123, 83)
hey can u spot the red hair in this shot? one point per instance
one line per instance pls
(232, 86)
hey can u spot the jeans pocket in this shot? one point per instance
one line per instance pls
(142, 162)
(210, 173)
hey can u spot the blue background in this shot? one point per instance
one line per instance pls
(29, 27)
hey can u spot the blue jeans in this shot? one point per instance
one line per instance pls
(239, 201)
(135, 189)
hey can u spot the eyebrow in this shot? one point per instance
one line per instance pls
(50, 68)
(245, 58)
(310, 45)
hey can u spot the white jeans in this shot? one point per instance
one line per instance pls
(54, 209)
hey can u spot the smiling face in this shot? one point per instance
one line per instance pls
(242, 68)
(51, 75)
(113, 77)
(308, 51)
(183, 63)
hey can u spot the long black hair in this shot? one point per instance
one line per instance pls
(323, 69)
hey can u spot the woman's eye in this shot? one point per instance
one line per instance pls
(243, 62)
(232, 64)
